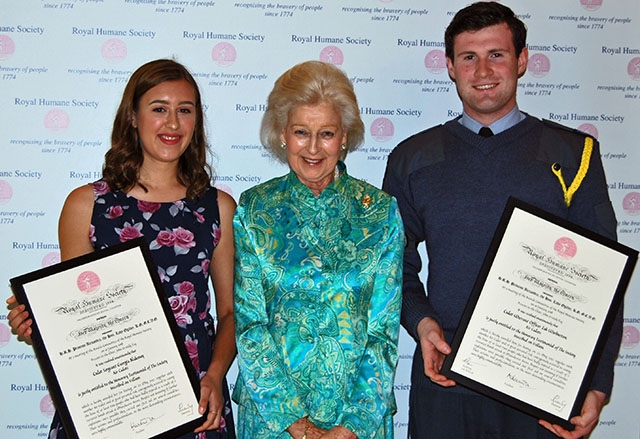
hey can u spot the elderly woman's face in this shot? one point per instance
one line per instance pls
(313, 136)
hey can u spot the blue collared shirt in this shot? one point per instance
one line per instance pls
(507, 121)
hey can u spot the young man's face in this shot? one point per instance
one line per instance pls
(486, 69)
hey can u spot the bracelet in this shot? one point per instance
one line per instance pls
(306, 428)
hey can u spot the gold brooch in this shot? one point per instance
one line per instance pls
(366, 201)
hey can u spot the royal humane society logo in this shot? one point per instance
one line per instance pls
(435, 61)
(381, 129)
(565, 248)
(332, 55)
(538, 65)
(57, 120)
(7, 47)
(589, 129)
(630, 337)
(114, 50)
(631, 203)
(6, 192)
(633, 69)
(46, 406)
(5, 335)
(591, 5)
(51, 258)
(224, 54)
(88, 282)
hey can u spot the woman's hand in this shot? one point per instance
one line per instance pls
(211, 399)
(19, 319)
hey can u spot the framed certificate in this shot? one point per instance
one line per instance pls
(539, 314)
(109, 347)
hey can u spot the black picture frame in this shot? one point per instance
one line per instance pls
(478, 362)
(30, 289)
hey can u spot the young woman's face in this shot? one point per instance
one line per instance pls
(165, 120)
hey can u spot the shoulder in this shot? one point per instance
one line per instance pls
(266, 191)
(562, 144)
(81, 196)
(419, 150)
(226, 203)
(565, 131)
(418, 140)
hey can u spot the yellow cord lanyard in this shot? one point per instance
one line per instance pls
(582, 171)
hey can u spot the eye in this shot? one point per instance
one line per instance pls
(300, 132)
(185, 110)
(496, 55)
(327, 134)
(468, 58)
(158, 110)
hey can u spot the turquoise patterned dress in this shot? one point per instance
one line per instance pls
(317, 307)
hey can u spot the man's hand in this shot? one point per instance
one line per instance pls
(434, 349)
(585, 422)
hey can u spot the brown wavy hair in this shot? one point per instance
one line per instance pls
(121, 169)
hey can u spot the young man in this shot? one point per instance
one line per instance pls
(452, 182)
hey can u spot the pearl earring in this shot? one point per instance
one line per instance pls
(283, 145)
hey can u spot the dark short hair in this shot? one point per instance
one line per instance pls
(484, 14)
(123, 160)
(311, 83)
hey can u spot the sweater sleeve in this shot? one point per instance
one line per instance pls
(415, 303)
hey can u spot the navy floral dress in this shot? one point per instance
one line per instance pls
(182, 236)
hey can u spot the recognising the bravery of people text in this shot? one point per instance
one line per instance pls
(109, 346)
(539, 313)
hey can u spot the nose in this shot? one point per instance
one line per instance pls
(312, 147)
(484, 68)
(172, 121)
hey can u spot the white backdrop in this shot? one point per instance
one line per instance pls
(64, 63)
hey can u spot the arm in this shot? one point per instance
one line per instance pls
(415, 303)
(418, 316)
(260, 363)
(371, 396)
(73, 236)
(221, 270)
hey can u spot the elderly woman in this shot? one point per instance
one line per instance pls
(318, 275)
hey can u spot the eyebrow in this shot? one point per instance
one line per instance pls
(473, 52)
(162, 101)
(293, 125)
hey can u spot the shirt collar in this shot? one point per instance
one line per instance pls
(336, 186)
(504, 123)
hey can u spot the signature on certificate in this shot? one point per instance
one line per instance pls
(558, 403)
(141, 424)
(513, 380)
(185, 409)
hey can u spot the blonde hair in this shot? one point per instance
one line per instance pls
(311, 83)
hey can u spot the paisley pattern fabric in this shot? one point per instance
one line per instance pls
(317, 307)
(182, 236)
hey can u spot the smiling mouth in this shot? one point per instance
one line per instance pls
(169, 138)
(312, 161)
(485, 87)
